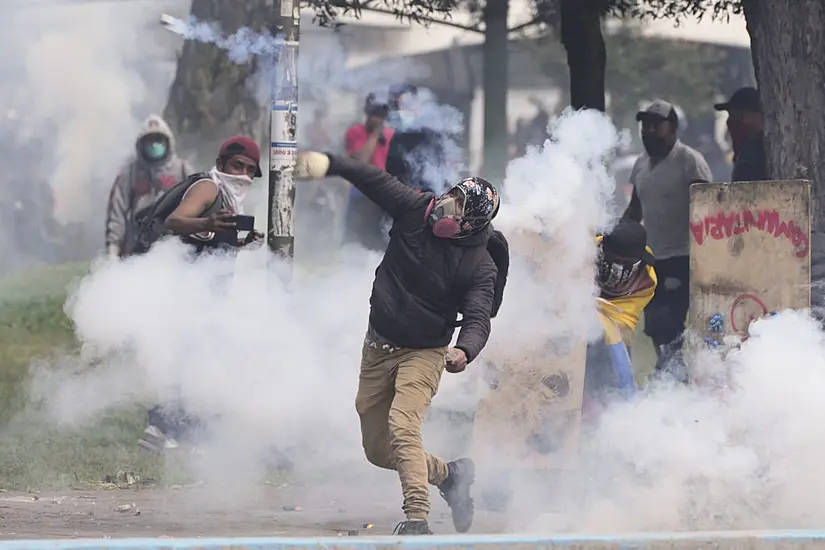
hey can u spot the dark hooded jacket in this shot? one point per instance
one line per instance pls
(417, 295)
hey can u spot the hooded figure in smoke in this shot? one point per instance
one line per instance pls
(154, 168)
(423, 152)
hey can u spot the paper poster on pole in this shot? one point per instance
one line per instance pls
(284, 143)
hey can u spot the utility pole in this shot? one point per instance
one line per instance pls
(280, 231)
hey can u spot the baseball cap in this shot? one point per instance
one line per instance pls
(628, 240)
(242, 145)
(743, 99)
(659, 108)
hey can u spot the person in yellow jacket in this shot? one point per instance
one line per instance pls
(626, 278)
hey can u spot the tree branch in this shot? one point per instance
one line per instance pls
(423, 18)
(522, 26)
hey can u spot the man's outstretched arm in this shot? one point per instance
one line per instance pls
(380, 187)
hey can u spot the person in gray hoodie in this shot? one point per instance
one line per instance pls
(154, 168)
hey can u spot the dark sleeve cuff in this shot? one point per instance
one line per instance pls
(470, 355)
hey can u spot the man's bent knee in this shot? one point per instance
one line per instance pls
(405, 426)
(379, 457)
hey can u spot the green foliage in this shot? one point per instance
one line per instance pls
(32, 324)
(328, 11)
(680, 9)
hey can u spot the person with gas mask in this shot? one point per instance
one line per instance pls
(746, 128)
(661, 178)
(439, 262)
(154, 169)
(626, 279)
(203, 219)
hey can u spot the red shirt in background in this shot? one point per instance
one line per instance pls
(357, 136)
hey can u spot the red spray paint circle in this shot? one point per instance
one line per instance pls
(748, 307)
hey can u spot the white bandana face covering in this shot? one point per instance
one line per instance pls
(235, 188)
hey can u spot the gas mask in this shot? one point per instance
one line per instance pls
(445, 217)
(155, 150)
(616, 277)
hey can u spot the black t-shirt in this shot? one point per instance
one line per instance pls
(751, 163)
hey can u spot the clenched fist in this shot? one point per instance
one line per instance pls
(456, 360)
(310, 165)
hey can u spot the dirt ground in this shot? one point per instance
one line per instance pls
(204, 512)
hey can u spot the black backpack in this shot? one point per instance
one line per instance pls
(499, 251)
(150, 220)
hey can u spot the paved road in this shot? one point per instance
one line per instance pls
(203, 511)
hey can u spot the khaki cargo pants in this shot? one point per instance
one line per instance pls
(395, 389)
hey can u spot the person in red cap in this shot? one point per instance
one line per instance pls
(203, 216)
(203, 219)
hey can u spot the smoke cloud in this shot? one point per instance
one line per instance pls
(79, 78)
(271, 365)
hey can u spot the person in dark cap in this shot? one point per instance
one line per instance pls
(204, 216)
(661, 179)
(746, 127)
(626, 278)
(659, 124)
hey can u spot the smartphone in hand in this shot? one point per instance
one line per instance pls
(242, 222)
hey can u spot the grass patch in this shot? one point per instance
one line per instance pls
(34, 454)
(32, 325)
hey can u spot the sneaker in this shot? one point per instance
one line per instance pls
(456, 491)
(154, 440)
(412, 527)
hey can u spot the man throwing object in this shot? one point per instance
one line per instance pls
(443, 258)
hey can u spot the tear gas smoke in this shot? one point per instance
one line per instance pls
(744, 454)
(271, 367)
(241, 46)
(438, 161)
(322, 68)
(74, 91)
(278, 367)
(91, 105)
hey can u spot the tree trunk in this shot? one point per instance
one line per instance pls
(788, 49)
(212, 97)
(581, 36)
(495, 51)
